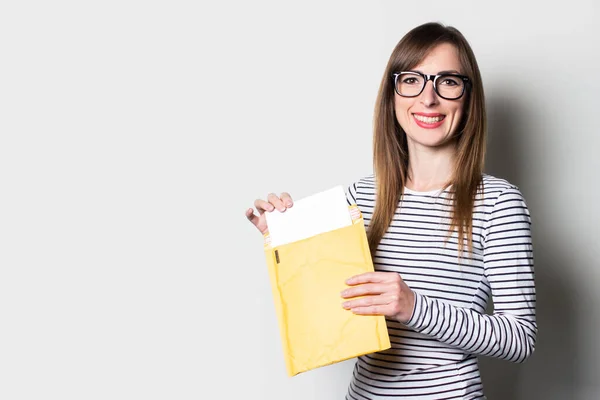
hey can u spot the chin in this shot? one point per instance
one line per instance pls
(429, 141)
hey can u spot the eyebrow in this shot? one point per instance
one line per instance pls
(451, 71)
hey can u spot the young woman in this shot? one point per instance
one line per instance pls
(445, 237)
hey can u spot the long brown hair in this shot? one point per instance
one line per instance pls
(390, 150)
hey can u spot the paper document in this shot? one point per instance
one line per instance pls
(319, 213)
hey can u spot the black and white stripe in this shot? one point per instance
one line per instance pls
(434, 355)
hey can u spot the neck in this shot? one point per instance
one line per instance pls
(430, 168)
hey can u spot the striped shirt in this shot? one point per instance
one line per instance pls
(434, 355)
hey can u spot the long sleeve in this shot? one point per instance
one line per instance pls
(510, 333)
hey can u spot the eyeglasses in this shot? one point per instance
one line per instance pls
(447, 86)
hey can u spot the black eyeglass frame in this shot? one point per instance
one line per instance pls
(434, 79)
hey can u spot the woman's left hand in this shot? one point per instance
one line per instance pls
(385, 294)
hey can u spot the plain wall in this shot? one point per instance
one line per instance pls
(135, 134)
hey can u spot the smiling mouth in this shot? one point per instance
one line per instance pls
(429, 120)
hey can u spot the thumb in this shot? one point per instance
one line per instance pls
(252, 217)
(255, 219)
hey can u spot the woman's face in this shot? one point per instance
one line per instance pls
(428, 119)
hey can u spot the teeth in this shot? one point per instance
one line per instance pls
(428, 120)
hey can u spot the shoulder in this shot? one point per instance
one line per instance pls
(366, 182)
(503, 201)
(496, 189)
(364, 187)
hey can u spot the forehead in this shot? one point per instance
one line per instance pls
(443, 57)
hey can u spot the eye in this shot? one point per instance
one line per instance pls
(410, 80)
(449, 81)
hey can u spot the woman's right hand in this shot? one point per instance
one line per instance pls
(272, 203)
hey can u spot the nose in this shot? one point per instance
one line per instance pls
(429, 97)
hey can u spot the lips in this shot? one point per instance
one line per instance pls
(428, 121)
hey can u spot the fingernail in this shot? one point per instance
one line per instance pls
(343, 293)
(289, 204)
(345, 304)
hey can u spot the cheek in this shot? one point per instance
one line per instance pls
(401, 111)
(459, 114)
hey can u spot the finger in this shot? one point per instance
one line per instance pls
(252, 217)
(276, 202)
(373, 310)
(376, 305)
(367, 301)
(365, 289)
(368, 277)
(287, 199)
(263, 206)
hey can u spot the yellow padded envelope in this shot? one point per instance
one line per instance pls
(307, 277)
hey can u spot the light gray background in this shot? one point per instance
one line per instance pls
(135, 134)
